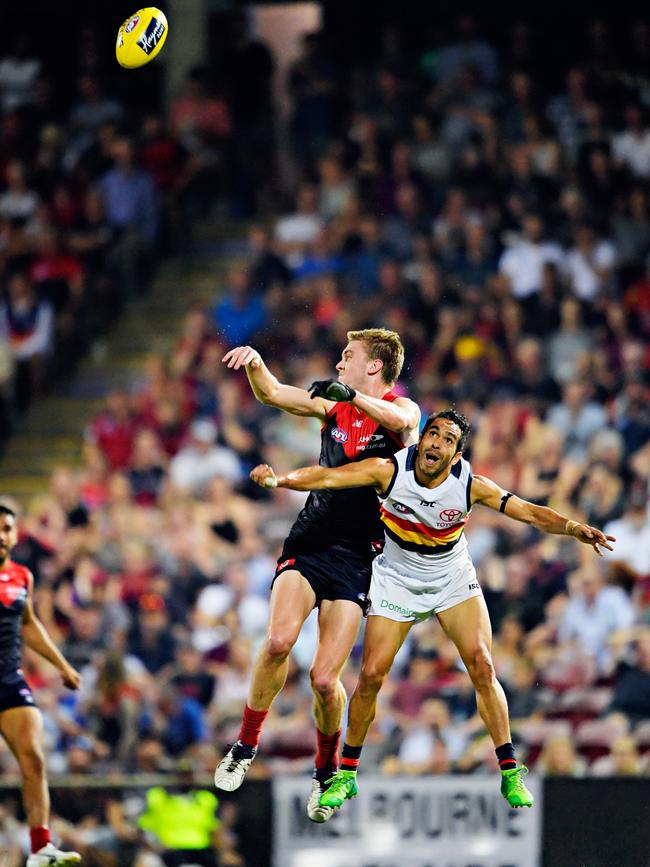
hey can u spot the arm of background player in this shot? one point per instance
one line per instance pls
(488, 493)
(401, 415)
(36, 637)
(373, 472)
(269, 390)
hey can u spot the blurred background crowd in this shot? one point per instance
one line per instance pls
(486, 202)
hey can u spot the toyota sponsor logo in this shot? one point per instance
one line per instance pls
(450, 516)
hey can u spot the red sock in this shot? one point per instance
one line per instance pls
(40, 837)
(251, 726)
(327, 752)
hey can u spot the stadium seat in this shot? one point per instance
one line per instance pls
(594, 739)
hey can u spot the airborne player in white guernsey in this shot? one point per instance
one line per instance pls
(427, 493)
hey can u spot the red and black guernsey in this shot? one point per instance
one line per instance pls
(344, 518)
(15, 582)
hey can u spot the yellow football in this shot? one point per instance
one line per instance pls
(141, 37)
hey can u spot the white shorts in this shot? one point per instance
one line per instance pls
(397, 597)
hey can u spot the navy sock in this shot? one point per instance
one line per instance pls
(506, 757)
(350, 758)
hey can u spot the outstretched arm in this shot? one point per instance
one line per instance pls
(36, 636)
(373, 472)
(488, 493)
(401, 416)
(269, 390)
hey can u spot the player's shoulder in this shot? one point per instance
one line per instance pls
(19, 572)
(462, 470)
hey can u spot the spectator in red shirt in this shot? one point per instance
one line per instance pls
(114, 429)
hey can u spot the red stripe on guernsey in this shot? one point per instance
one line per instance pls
(417, 527)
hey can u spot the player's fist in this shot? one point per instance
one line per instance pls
(70, 677)
(264, 476)
(242, 356)
(331, 389)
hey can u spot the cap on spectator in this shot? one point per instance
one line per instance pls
(204, 430)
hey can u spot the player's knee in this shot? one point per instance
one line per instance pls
(324, 684)
(481, 668)
(371, 678)
(32, 763)
(279, 644)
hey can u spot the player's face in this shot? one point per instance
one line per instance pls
(437, 449)
(8, 536)
(353, 366)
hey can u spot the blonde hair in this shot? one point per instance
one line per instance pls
(385, 345)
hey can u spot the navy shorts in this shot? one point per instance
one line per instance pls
(15, 695)
(334, 573)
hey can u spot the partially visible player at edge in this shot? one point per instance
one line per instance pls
(326, 559)
(425, 569)
(21, 724)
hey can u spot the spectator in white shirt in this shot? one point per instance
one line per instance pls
(632, 146)
(578, 419)
(632, 533)
(523, 263)
(18, 202)
(18, 74)
(589, 264)
(27, 323)
(201, 460)
(594, 611)
(294, 232)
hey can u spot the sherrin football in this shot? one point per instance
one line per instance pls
(141, 37)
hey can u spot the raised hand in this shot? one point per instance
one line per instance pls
(591, 536)
(242, 356)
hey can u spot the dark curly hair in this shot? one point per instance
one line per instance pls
(458, 419)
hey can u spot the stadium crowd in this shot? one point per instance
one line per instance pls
(502, 227)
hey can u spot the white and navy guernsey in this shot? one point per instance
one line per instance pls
(424, 526)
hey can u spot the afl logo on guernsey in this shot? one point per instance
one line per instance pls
(339, 435)
(449, 516)
(402, 509)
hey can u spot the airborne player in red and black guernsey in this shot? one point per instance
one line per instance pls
(327, 557)
(20, 721)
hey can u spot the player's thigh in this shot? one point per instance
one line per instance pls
(468, 626)
(292, 599)
(382, 640)
(338, 626)
(22, 728)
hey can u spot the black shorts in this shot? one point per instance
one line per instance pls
(333, 573)
(15, 695)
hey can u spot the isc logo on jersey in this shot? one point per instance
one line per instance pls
(338, 435)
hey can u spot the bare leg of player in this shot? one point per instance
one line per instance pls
(292, 600)
(338, 625)
(382, 640)
(22, 728)
(468, 626)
